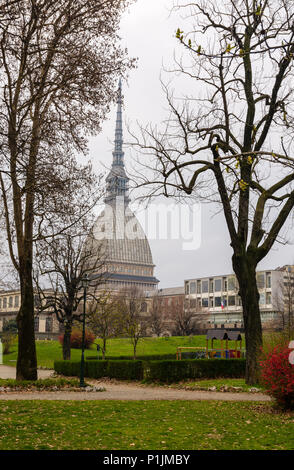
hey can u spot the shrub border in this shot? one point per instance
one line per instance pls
(166, 371)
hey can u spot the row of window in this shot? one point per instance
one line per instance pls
(226, 301)
(48, 325)
(129, 270)
(224, 284)
(9, 302)
(122, 284)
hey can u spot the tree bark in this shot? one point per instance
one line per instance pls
(66, 347)
(26, 368)
(104, 348)
(245, 270)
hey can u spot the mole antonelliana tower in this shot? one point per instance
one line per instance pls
(128, 258)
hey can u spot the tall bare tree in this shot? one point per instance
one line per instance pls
(62, 264)
(157, 315)
(59, 62)
(231, 141)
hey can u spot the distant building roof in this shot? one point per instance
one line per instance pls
(171, 291)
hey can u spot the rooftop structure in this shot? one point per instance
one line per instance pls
(128, 258)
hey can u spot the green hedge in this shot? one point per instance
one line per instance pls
(124, 370)
(150, 357)
(173, 371)
(162, 371)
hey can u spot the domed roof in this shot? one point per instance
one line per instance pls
(118, 230)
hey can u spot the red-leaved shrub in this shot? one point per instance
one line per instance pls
(76, 339)
(277, 376)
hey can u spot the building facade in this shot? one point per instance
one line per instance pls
(216, 298)
(46, 324)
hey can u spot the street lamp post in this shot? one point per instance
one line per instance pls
(85, 282)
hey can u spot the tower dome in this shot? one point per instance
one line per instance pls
(127, 253)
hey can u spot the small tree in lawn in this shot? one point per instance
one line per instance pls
(104, 318)
(156, 317)
(130, 303)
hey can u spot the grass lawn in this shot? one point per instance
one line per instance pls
(219, 384)
(150, 425)
(49, 351)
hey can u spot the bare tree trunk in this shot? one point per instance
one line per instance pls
(66, 347)
(246, 273)
(104, 348)
(26, 368)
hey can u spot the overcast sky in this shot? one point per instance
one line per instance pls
(148, 31)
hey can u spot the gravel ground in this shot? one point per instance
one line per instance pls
(9, 372)
(115, 390)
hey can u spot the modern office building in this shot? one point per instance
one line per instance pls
(216, 298)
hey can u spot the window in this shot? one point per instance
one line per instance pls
(198, 287)
(260, 281)
(16, 301)
(205, 286)
(217, 301)
(36, 323)
(231, 300)
(268, 298)
(5, 302)
(261, 299)
(49, 325)
(268, 280)
(192, 287)
(10, 302)
(211, 285)
(187, 288)
(218, 285)
(225, 284)
(205, 302)
(231, 283)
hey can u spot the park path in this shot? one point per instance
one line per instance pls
(115, 390)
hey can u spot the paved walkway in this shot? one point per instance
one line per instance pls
(9, 372)
(123, 391)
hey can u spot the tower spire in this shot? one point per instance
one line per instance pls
(118, 154)
(117, 180)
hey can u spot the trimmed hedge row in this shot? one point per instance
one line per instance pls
(124, 370)
(150, 357)
(174, 371)
(162, 371)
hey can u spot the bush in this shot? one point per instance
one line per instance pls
(10, 327)
(125, 370)
(76, 339)
(277, 376)
(122, 370)
(150, 357)
(7, 339)
(174, 371)
(163, 371)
